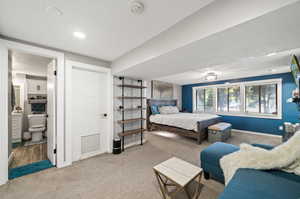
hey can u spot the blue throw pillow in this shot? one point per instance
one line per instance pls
(154, 109)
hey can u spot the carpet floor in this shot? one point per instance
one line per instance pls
(125, 176)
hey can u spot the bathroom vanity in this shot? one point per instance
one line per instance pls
(17, 120)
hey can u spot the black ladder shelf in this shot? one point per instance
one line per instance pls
(124, 121)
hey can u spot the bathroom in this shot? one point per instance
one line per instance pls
(28, 121)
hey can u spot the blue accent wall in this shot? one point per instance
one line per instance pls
(290, 111)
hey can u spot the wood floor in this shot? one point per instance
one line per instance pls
(29, 154)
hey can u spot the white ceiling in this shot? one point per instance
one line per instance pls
(29, 64)
(173, 40)
(248, 67)
(236, 52)
(110, 27)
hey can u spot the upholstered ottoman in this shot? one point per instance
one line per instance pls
(219, 132)
(210, 159)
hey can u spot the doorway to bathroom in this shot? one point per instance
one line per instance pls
(31, 124)
(59, 140)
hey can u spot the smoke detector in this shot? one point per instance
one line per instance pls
(137, 7)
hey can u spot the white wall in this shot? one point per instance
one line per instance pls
(176, 92)
(36, 70)
(87, 60)
(178, 95)
(9, 106)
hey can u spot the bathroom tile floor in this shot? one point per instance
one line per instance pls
(24, 155)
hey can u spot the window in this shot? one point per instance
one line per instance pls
(261, 99)
(223, 99)
(252, 99)
(249, 99)
(229, 99)
(205, 100)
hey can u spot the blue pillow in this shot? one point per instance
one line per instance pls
(154, 109)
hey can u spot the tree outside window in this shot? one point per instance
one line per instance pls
(229, 99)
(261, 99)
(205, 100)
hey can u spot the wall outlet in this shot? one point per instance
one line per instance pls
(280, 128)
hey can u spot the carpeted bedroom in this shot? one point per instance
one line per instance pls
(127, 176)
(149, 99)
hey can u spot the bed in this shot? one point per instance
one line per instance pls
(185, 124)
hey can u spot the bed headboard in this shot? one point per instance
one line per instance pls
(158, 102)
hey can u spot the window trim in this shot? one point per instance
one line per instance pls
(242, 85)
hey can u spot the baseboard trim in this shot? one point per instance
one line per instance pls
(256, 133)
(134, 143)
(65, 164)
(11, 158)
(91, 154)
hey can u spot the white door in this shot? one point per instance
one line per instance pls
(3, 114)
(89, 111)
(51, 111)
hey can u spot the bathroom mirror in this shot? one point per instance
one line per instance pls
(17, 95)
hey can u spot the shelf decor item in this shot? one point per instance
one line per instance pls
(125, 121)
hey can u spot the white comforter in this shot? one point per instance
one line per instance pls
(182, 120)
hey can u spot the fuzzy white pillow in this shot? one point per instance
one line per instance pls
(285, 157)
(168, 109)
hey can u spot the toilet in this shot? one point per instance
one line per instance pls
(37, 125)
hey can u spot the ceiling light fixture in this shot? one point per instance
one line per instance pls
(79, 35)
(211, 76)
(271, 54)
(137, 7)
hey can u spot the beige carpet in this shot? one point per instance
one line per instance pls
(126, 176)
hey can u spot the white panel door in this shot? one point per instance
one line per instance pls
(89, 112)
(4, 148)
(51, 111)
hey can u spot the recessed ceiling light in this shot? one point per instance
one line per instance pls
(271, 54)
(273, 70)
(211, 76)
(79, 35)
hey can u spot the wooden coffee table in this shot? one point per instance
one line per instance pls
(178, 174)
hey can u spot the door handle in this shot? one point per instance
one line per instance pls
(105, 114)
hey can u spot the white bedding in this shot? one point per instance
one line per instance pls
(182, 120)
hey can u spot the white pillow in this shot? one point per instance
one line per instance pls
(168, 109)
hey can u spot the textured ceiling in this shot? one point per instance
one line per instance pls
(110, 28)
(233, 52)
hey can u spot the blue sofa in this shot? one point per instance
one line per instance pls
(249, 183)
